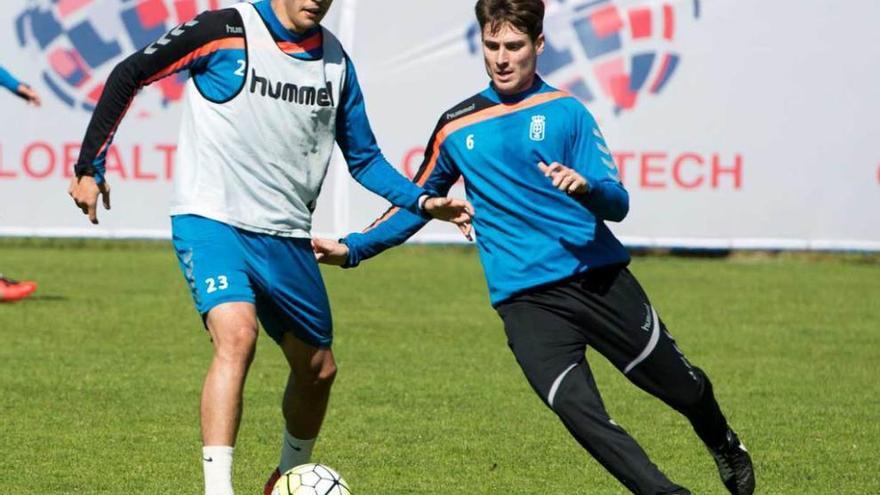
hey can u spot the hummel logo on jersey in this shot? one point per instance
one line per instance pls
(302, 95)
(458, 113)
(234, 30)
(537, 128)
(646, 326)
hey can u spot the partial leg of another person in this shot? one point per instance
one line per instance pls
(550, 350)
(633, 337)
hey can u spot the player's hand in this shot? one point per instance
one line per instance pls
(458, 211)
(565, 179)
(85, 191)
(29, 94)
(329, 252)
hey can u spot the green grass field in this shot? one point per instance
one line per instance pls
(100, 375)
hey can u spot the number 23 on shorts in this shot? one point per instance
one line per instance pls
(216, 283)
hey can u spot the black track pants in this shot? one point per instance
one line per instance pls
(548, 330)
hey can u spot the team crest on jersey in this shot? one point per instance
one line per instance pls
(538, 128)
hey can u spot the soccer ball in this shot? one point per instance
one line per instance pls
(311, 479)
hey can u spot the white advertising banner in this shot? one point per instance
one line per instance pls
(736, 124)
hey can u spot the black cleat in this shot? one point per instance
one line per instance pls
(735, 466)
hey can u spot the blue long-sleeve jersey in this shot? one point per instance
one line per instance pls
(8, 81)
(211, 50)
(529, 233)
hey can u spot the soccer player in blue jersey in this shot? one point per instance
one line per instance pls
(543, 184)
(270, 92)
(13, 290)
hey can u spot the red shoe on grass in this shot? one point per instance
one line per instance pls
(11, 290)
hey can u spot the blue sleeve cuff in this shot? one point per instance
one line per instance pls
(419, 192)
(354, 258)
(8, 81)
(607, 200)
(90, 171)
(420, 209)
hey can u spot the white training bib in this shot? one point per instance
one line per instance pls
(258, 160)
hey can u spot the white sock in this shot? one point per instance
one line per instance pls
(217, 463)
(294, 451)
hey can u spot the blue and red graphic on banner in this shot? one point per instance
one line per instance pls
(620, 51)
(82, 40)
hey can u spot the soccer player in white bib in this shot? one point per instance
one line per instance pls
(270, 92)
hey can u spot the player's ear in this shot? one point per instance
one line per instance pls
(539, 44)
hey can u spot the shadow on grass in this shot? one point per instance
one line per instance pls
(40, 298)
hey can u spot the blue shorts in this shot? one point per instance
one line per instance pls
(279, 275)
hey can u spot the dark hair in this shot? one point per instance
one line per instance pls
(525, 15)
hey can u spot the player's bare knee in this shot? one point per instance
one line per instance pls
(234, 331)
(236, 344)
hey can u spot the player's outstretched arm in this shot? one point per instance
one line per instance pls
(436, 175)
(369, 167)
(191, 46)
(395, 227)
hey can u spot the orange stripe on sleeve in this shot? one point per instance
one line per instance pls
(112, 133)
(482, 116)
(388, 214)
(455, 125)
(206, 49)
